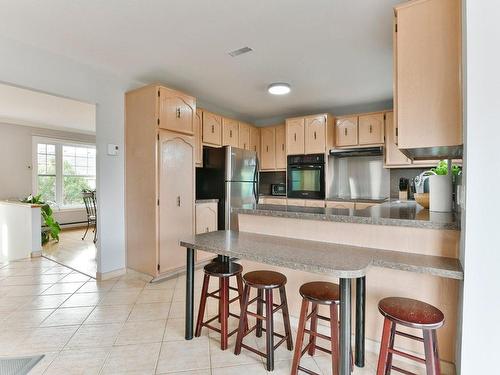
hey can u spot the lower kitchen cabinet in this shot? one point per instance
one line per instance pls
(206, 221)
(271, 200)
(314, 203)
(340, 204)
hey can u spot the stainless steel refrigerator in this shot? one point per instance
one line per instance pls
(231, 175)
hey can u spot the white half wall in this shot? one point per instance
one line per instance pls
(26, 66)
(481, 255)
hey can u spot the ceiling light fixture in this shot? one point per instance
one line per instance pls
(279, 88)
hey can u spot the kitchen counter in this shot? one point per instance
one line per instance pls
(359, 200)
(391, 213)
(206, 201)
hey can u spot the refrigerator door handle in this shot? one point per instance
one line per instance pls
(256, 180)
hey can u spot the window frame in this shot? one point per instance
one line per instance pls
(59, 188)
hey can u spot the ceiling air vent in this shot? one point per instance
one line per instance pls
(240, 51)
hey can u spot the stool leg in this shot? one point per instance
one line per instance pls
(314, 327)
(203, 301)
(384, 347)
(269, 331)
(391, 346)
(243, 320)
(220, 299)
(224, 294)
(286, 319)
(432, 364)
(334, 337)
(300, 337)
(258, 330)
(239, 281)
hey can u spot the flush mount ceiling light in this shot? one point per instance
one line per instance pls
(279, 88)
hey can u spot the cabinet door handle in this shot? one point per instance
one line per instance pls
(245, 146)
(314, 135)
(213, 129)
(295, 137)
(207, 230)
(179, 201)
(371, 128)
(230, 134)
(345, 132)
(267, 148)
(178, 112)
(255, 148)
(396, 132)
(282, 147)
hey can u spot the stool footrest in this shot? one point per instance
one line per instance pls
(307, 371)
(253, 350)
(316, 334)
(257, 316)
(406, 355)
(402, 371)
(277, 307)
(409, 336)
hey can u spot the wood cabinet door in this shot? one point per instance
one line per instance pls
(244, 136)
(371, 129)
(363, 205)
(280, 135)
(427, 73)
(275, 201)
(176, 111)
(315, 203)
(393, 157)
(267, 153)
(212, 129)
(255, 140)
(206, 221)
(296, 202)
(295, 136)
(176, 197)
(315, 134)
(230, 133)
(198, 125)
(346, 131)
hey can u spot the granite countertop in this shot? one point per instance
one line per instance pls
(19, 203)
(336, 260)
(393, 213)
(360, 200)
(214, 200)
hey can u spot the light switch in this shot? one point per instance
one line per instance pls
(113, 150)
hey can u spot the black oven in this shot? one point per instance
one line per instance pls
(306, 176)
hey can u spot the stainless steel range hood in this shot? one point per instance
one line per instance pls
(363, 151)
(434, 153)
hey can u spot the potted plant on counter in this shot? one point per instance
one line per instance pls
(441, 187)
(50, 227)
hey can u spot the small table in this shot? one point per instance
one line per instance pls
(335, 260)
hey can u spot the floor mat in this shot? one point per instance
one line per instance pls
(19, 365)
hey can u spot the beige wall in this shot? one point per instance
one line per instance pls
(16, 162)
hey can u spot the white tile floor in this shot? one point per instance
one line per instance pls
(118, 326)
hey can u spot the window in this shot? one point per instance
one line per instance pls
(63, 170)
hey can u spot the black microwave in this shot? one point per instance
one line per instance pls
(306, 176)
(278, 189)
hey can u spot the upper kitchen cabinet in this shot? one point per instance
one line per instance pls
(175, 110)
(198, 129)
(309, 134)
(295, 136)
(255, 139)
(280, 147)
(230, 132)
(212, 129)
(244, 136)
(346, 131)
(371, 129)
(427, 78)
(393, 157)
(267, 152)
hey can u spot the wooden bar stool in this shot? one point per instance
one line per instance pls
(265, 282)
(413, 314)
(318, 293)
(223, 271)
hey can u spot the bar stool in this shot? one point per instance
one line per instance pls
(223, 271)
(413, 314)
(318, 293)
(265, 282)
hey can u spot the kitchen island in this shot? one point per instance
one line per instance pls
(404, 227)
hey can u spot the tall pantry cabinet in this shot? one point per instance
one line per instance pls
(159, 177)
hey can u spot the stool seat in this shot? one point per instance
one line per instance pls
(321, 292)
(265, 279)
(223, 269)
(411, 313)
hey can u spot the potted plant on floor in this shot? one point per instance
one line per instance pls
(50, 227)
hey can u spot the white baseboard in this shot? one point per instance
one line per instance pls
(36, 254)
(110, 275)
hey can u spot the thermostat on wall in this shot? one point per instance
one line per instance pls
(113, 149)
